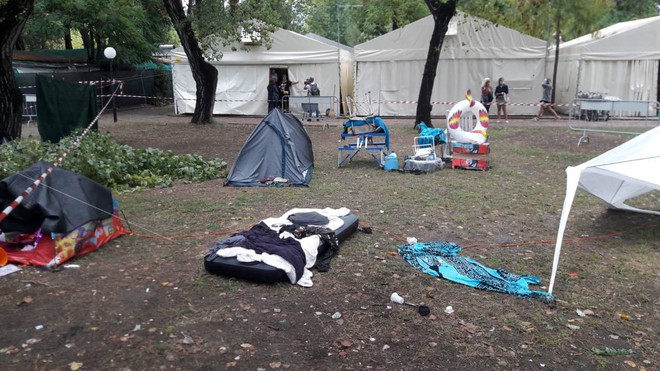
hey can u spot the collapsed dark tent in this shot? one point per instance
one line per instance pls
(52, 211)
(67, 215)
(278, 151)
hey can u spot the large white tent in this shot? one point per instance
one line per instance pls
(391, 66)
(620, 60)
(243, 75)
(627, 171)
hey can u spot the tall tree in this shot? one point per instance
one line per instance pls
(13, 16)
(204, 74)
(210, 24)
(442, 13)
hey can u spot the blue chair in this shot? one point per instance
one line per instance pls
(369, 134)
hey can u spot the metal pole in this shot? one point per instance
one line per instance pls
(338, 67)
(114, 104)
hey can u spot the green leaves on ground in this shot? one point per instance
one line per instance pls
(114, 165)
(611, 351)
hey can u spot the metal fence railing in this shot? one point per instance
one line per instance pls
(609, 113)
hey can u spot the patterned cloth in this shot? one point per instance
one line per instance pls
(440, 259)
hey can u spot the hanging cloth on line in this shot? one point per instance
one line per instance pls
(440, 259)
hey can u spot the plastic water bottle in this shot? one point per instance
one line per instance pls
(431, 156)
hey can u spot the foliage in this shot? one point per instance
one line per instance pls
(114, 165)
(353, 22)
(611, 351)
(133, 27)
(219, 23)
(577, 17)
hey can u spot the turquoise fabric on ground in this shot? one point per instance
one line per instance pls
(440, 259)
(425, 131)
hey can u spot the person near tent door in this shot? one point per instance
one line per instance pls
(273, 95)
(486, 94)
(312, 89)
(546, 100)
(501, 99)
(285, 91)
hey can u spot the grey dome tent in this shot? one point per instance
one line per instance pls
(278, 147)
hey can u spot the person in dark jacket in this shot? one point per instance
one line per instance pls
(273, 95)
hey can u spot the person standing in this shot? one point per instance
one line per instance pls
(273, 95)
(546, 101)
(486, 94)
(285, 91)
(312, 89)
(501, 94)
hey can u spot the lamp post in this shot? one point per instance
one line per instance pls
(111, 53)
(342, 6)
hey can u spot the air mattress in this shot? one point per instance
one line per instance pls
(261, 272)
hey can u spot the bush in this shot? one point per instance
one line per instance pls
(114, 165)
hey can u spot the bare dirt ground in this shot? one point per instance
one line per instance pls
(145, 302)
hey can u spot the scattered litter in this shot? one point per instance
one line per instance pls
(386, 347)
(382, 212)
(424, 310)
(39, 327)
(573, 327)
(71, 265)
(318, 313)
(572, 275)
(624, 316)
(580, 313)
(137, 328)
(411, 240)
(8, 269)
(396, 298)
(449, 310)
(336, 315)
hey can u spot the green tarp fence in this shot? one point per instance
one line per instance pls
(63, 107)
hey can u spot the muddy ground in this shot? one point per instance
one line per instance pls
(145, 302)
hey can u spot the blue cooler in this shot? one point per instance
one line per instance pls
(391, 162)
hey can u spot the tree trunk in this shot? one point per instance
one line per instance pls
(557, 40)
(204, 73)
(68, 43)
(14, 15)
(442, 13)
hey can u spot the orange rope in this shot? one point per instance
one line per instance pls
(400, 237)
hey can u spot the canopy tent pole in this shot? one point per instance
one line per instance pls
(572, 180)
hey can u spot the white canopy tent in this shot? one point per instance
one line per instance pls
(621, 60)
(629, 170)
(391, 66)
(243, 75)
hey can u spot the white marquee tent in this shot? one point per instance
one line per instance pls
(627, 171)
(243, 75)
(621, 60)
(391, 66)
